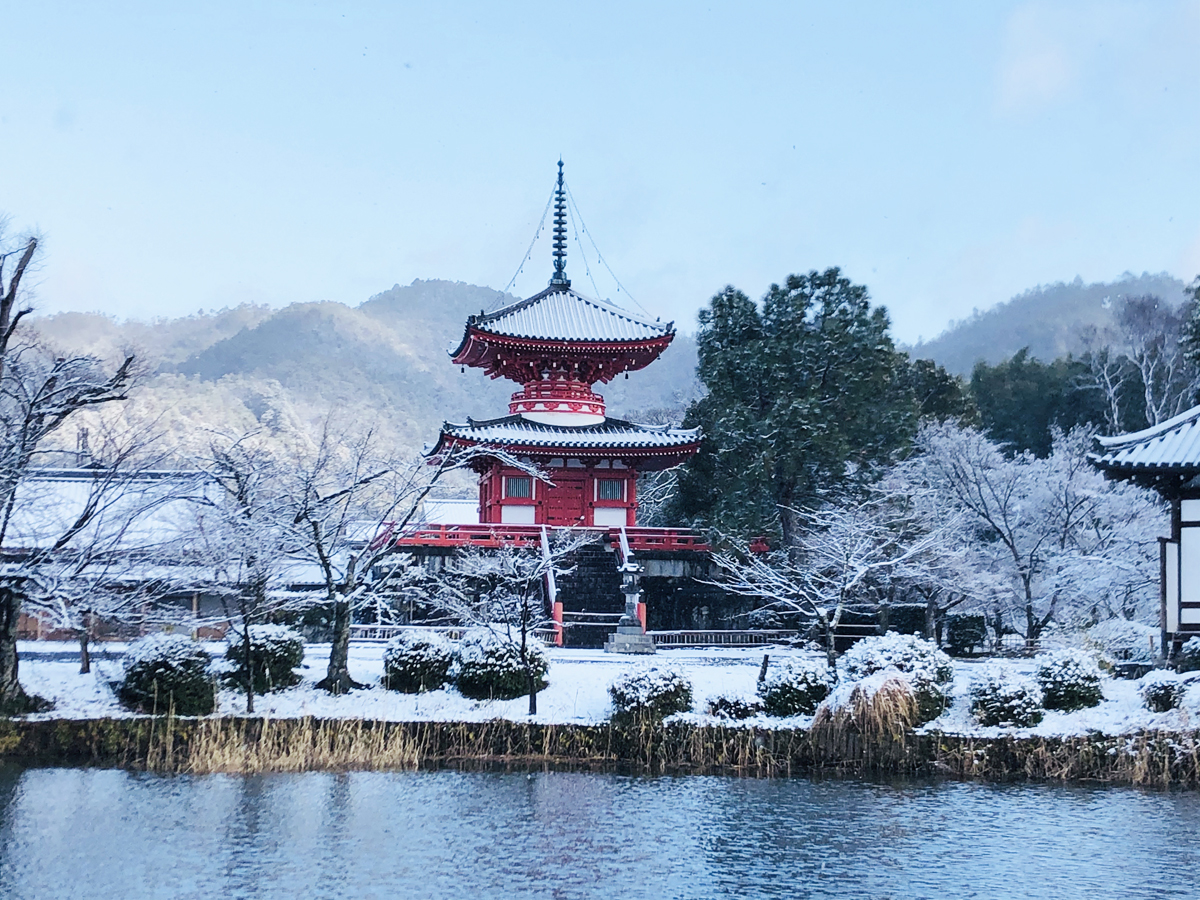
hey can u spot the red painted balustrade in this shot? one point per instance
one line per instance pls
(527, 535)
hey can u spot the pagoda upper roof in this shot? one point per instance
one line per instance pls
(560, 314)
(1172, 446)
(516, 433)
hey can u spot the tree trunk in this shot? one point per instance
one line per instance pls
(789, 526)
(13, 699)
(249, 666)
(830, 644)
(337, 678)
(532, 690)
(85, 656)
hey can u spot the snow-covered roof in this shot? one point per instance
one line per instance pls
(132, 511)
(560, 314)
(611, 433)
(1173, 445)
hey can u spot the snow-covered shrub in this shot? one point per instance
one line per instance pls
(166, 672)
(416, 661)
(731, 706)
(905, 652)
(1161, 690)
(999, 697)
(933, 697)
(795, 688)
(275, 650)
(490, 668)
(650, 693)
(1188, 657)
(1123, 641)
(1069, 679)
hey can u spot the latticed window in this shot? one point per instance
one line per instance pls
(610, 489)
(518, 487)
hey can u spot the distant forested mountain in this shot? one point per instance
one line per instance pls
(383, 363)
(1050, 320)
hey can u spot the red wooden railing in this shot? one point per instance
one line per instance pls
(531, 535)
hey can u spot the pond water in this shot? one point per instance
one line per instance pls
(481, 835)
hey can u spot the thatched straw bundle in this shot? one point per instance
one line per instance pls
(867, 722)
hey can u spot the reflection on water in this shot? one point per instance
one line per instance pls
(97, 833)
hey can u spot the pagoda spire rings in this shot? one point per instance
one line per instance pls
(560, 233)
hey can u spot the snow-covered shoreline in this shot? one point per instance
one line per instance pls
(577, 694)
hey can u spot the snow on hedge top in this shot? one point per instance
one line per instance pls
(424, 646)
(173, 650)
(269, 637)
(648, 687)
(906, 652)
(482, 645)
(799, 672)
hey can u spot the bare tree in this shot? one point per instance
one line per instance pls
(240, 538)
(504, 590)
(118, 569)
(1152, 331)
(1109, 371)
(39, 392)
(839, 551)
(1057, 539)
(348, 502)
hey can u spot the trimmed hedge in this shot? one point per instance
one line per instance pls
(417, 661)
(490, 668)
(165, 672)
(275, 650)
(650, 693)
(795, 688)
(1001, 698)
(1070, 680)
(907, 653)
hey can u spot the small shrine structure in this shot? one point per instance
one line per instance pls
(1166, 458)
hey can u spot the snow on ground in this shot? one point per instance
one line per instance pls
(1121, 711)
(578, 691)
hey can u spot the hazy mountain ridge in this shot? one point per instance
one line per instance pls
(1049, 319)
(384, 363)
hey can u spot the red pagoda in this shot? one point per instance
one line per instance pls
(557, 345)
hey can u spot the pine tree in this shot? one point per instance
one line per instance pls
(806, 398)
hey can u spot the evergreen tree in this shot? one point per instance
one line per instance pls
(1022, 400)
(805, 398)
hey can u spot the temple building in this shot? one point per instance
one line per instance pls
(1166, 457)
(558, 345)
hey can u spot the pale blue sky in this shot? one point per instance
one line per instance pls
(948, 155)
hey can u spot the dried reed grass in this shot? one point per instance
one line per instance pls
(872, 736)
(874, 730)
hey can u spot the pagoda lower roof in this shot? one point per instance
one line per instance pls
(515, 433)
(1172, 447)
(561, 314)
